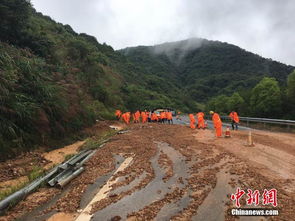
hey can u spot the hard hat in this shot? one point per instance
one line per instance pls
(211, 112)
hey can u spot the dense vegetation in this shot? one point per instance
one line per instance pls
(222, 74)
(54, 81)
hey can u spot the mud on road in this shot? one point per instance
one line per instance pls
(169, 172)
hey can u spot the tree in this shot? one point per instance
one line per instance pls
(14, 15)
(289, 99)
(291, 87)
(266, 98)
(236, 102)
(219, 104)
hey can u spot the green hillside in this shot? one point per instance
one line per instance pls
(55, 82)
(205, 68)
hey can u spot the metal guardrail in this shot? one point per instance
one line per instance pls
(58, 176)
(288, 123)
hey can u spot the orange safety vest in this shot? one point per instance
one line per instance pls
(137, 115)
(200, 116)
(216, 120)
(118, 113)
(154, 116)
(169, 115)
(192, 118)
(234, 116)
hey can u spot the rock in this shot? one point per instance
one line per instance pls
(116, 218)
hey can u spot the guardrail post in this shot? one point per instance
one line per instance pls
(265, 121)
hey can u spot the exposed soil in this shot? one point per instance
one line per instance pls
(21, 166)
(58, 156)
(15, 172)
(61, 216)
(280, 141)
(175, 174)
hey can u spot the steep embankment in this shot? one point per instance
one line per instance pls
(55, 81)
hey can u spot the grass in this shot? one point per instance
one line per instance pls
(5, 193)
(34, 174)
(95, 142)
(69, 156)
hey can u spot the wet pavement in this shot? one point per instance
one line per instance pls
(163, 172)
(155, 190)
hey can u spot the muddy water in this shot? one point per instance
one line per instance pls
(154, 191)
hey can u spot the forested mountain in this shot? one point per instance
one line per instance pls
(54, 81)
(204, 69)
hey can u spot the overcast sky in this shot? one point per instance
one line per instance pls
(265, 27)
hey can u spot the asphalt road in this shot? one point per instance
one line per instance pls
(184, 120)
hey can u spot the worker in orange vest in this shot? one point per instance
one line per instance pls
(235, 119)
(143, 116)
(137, 116)
(154, 117)
(169, 117)
(201, 122)
(192, 121)
(159, 116)
(148, 116)
(118, 114)
(128, 116)
(123, 116)
(133, 117)
(217, 123)
(163, 116)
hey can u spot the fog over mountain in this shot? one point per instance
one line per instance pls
(265, 27)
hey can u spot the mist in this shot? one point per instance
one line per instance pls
(265, 27)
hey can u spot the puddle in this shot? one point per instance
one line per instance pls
(154, 191)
